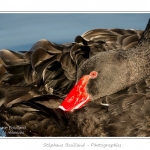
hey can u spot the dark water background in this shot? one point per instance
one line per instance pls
(19, 31)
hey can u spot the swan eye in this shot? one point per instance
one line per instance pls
(93, 74)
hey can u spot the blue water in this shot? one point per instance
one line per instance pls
(21, 31)
(2, 132)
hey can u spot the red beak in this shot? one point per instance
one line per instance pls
(78, 95)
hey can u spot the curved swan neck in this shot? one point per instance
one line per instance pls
(139, 57)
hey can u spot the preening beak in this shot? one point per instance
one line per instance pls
(78, 96)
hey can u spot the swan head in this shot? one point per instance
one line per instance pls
(101, 75)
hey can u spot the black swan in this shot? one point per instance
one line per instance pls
(115, 64)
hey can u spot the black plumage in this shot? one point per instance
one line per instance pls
(34, 83)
